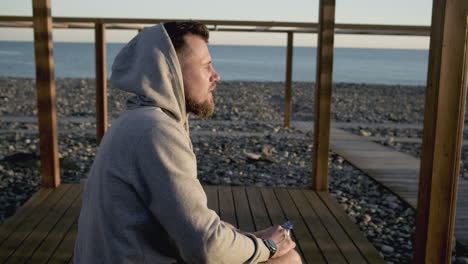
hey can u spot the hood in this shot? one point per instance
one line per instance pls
(148, 67)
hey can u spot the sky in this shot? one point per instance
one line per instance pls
(395, 12)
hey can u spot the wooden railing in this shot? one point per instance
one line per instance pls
(101, 24)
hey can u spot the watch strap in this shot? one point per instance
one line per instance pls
(271, 246)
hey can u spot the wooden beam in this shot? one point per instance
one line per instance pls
(124, 26)
(116, 20)
(46, 98)
(78, 25)
(231, 25)
(17, 18)
(19, 24)
(287, 88)
(101, 81)
(206, 22)
(443, 132)
(382, 27)
(323, 87)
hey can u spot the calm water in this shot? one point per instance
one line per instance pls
(251, 63)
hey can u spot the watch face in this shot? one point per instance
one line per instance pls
(271, 244)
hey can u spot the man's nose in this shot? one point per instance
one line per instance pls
(215, 77)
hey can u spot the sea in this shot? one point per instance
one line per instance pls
(247, 63)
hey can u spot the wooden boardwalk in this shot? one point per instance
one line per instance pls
(397, 171)
(44, 229)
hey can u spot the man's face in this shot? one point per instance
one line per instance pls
(199, 76)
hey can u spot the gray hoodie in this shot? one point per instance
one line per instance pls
(143, 202)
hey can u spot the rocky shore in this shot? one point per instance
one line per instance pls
(243, 143)
(236, 100)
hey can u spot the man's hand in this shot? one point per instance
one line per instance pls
(285, 252)
(281, 238)
(261, 233)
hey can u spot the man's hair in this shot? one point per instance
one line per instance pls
(177, 31)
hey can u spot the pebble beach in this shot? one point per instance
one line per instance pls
(243, 143)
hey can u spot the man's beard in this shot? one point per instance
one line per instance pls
(203, 109)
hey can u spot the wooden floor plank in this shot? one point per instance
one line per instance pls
(314, 211)
(64, 252)
(48, 246)
(226, 205)
(13, 222)
(16, 239)
(308, 243)
(367, 249)
(277, 216)
(40, 232)
(244, 217)
(257, 205)
(273, 208)
(212, 196)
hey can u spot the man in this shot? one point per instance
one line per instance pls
(143, 202)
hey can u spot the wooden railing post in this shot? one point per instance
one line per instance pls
(101, 81)
(443, 132)
(323, 87)
(288, 88)
(46, 97)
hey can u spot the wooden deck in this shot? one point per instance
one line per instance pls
(44, 229)
(398, 171)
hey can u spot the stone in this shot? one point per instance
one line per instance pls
(393, 205)
(343, 199)
(387, 249)
(364, 133)
(367, 218)
(252, 156)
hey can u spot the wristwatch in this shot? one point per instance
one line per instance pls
(271, 246)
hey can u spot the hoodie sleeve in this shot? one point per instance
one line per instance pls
(167, 183)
